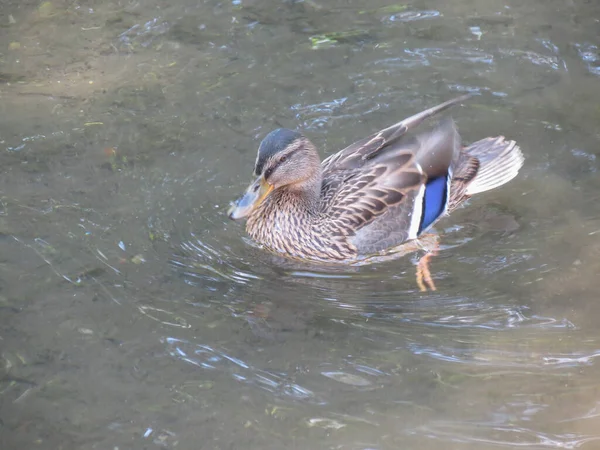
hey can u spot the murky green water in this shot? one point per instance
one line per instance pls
(135, 315)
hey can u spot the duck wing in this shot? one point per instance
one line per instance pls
(357, 154)
(380, 201)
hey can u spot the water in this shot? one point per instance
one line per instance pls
(134, 314)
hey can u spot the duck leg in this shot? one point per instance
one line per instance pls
(424, 279)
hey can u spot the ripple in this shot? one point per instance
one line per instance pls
(200, 262)
(163, 316)
(208, 358)
(590, 55)
(145, 33)
(547, 43)
(347, 378)
(412, 16)
(410, 61)
(538, 59)
(503, 435)
(454, 54)
(487, 311)
(501, 358)
(589, 159)
(572, 359)
(318, 115)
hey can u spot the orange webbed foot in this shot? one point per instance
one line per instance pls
(424, 279)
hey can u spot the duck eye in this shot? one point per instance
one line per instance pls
(283, 159)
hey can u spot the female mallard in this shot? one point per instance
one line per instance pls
(370, 197)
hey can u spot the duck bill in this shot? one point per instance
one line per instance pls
(252, 198)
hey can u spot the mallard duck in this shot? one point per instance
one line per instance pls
(374, 195)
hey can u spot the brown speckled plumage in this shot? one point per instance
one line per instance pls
(370, 196)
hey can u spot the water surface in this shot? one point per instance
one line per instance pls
(134, 314)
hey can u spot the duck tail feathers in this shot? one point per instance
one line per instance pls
(499, 162)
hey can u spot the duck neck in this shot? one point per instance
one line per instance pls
(285, 213)
(305, 195)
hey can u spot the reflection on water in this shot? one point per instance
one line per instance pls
(134, 314)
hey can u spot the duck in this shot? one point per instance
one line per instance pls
(372, 197)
